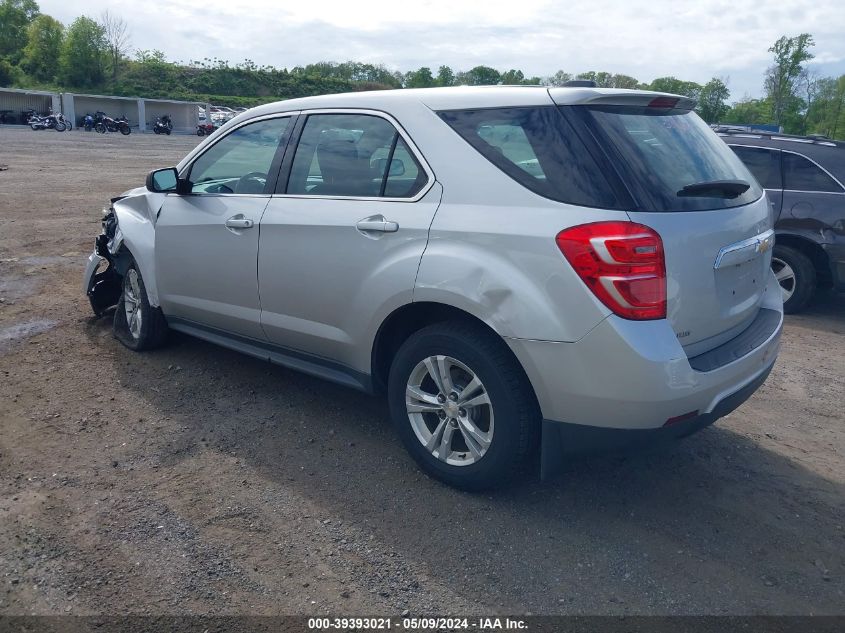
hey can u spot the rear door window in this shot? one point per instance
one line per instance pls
(801, 174)
(763, 163)
(348, 155)
(660, 151)
(539, 149)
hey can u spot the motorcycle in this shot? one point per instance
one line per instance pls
(67, 122)
(163, 125)
(26, 115)
(49, 122)
(88, 122)
(203, 129)
(104, 123)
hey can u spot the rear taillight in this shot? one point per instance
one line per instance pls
(622, 263)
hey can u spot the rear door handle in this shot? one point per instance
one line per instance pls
(239, 222)
(377, 223)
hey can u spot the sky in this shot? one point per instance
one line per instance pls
(692, 40)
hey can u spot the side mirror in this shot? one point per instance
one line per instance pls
(397, 167)
(163, 181)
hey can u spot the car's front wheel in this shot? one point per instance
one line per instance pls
(137, 324)
(462, 405)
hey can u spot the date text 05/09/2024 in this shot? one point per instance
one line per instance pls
(414, 624)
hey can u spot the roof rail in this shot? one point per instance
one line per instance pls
(580, 83)
(816, 139)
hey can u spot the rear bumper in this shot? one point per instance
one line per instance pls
(562, 438)
(836, 257)
(628, 382)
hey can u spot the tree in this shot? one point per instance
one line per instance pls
(749, 111)
(15, 16)
(44, 44)
(558, 79)
(83, 52)
(512, 78)
(421, 78)
(676, 87)
(445, 76)
(479, 76)
(783, 76)
(712, 104)
(7, 73)
(116, 33)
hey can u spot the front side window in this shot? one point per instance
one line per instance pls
(763, 163)
(353, 155)
(240, 162)
(801, 174)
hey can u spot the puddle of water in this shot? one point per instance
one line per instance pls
(20, 331)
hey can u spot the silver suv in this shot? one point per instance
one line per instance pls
(516, 268)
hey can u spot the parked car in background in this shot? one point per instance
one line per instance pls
(512, 266)
(804, 178)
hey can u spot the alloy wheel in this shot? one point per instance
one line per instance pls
(132, 303)
(785, 275)
(449, 410)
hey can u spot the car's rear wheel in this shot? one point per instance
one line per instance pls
(796, 275)
(462, 405)
(137, 324)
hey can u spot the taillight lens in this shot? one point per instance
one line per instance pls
(622, 263)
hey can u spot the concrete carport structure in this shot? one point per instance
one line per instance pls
(140, 112)
(16, 101)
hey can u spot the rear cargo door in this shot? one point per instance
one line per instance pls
(712, 215)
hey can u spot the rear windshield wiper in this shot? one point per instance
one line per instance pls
(715, 189)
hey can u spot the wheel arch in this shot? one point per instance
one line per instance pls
(412, 317)
(810, 248)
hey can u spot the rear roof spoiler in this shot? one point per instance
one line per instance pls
(611, 96)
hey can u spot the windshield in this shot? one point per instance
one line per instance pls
(661, 153)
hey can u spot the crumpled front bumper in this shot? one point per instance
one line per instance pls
(101, 285)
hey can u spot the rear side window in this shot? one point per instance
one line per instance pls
(763, 163)
(660, 151)
(801, 174)
(538, 148)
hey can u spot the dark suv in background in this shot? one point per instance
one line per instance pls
(803, 176)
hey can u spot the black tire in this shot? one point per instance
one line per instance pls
(156, 131)
(100, 128)
(200, 132)
(167, 131)
(512, 403)
(804, 285)
(60, 127)
(125, 130)
(153, 329)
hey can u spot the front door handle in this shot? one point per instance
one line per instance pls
(377, 223)
(239, 222)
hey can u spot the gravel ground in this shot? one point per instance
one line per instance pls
(193, 480)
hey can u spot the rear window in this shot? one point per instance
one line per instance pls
(538, 148)
(658, 152)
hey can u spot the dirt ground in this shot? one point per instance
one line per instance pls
(193, 480)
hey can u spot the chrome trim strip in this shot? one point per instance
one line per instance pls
(760, 243)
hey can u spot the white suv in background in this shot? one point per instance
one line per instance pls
(565, 268)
